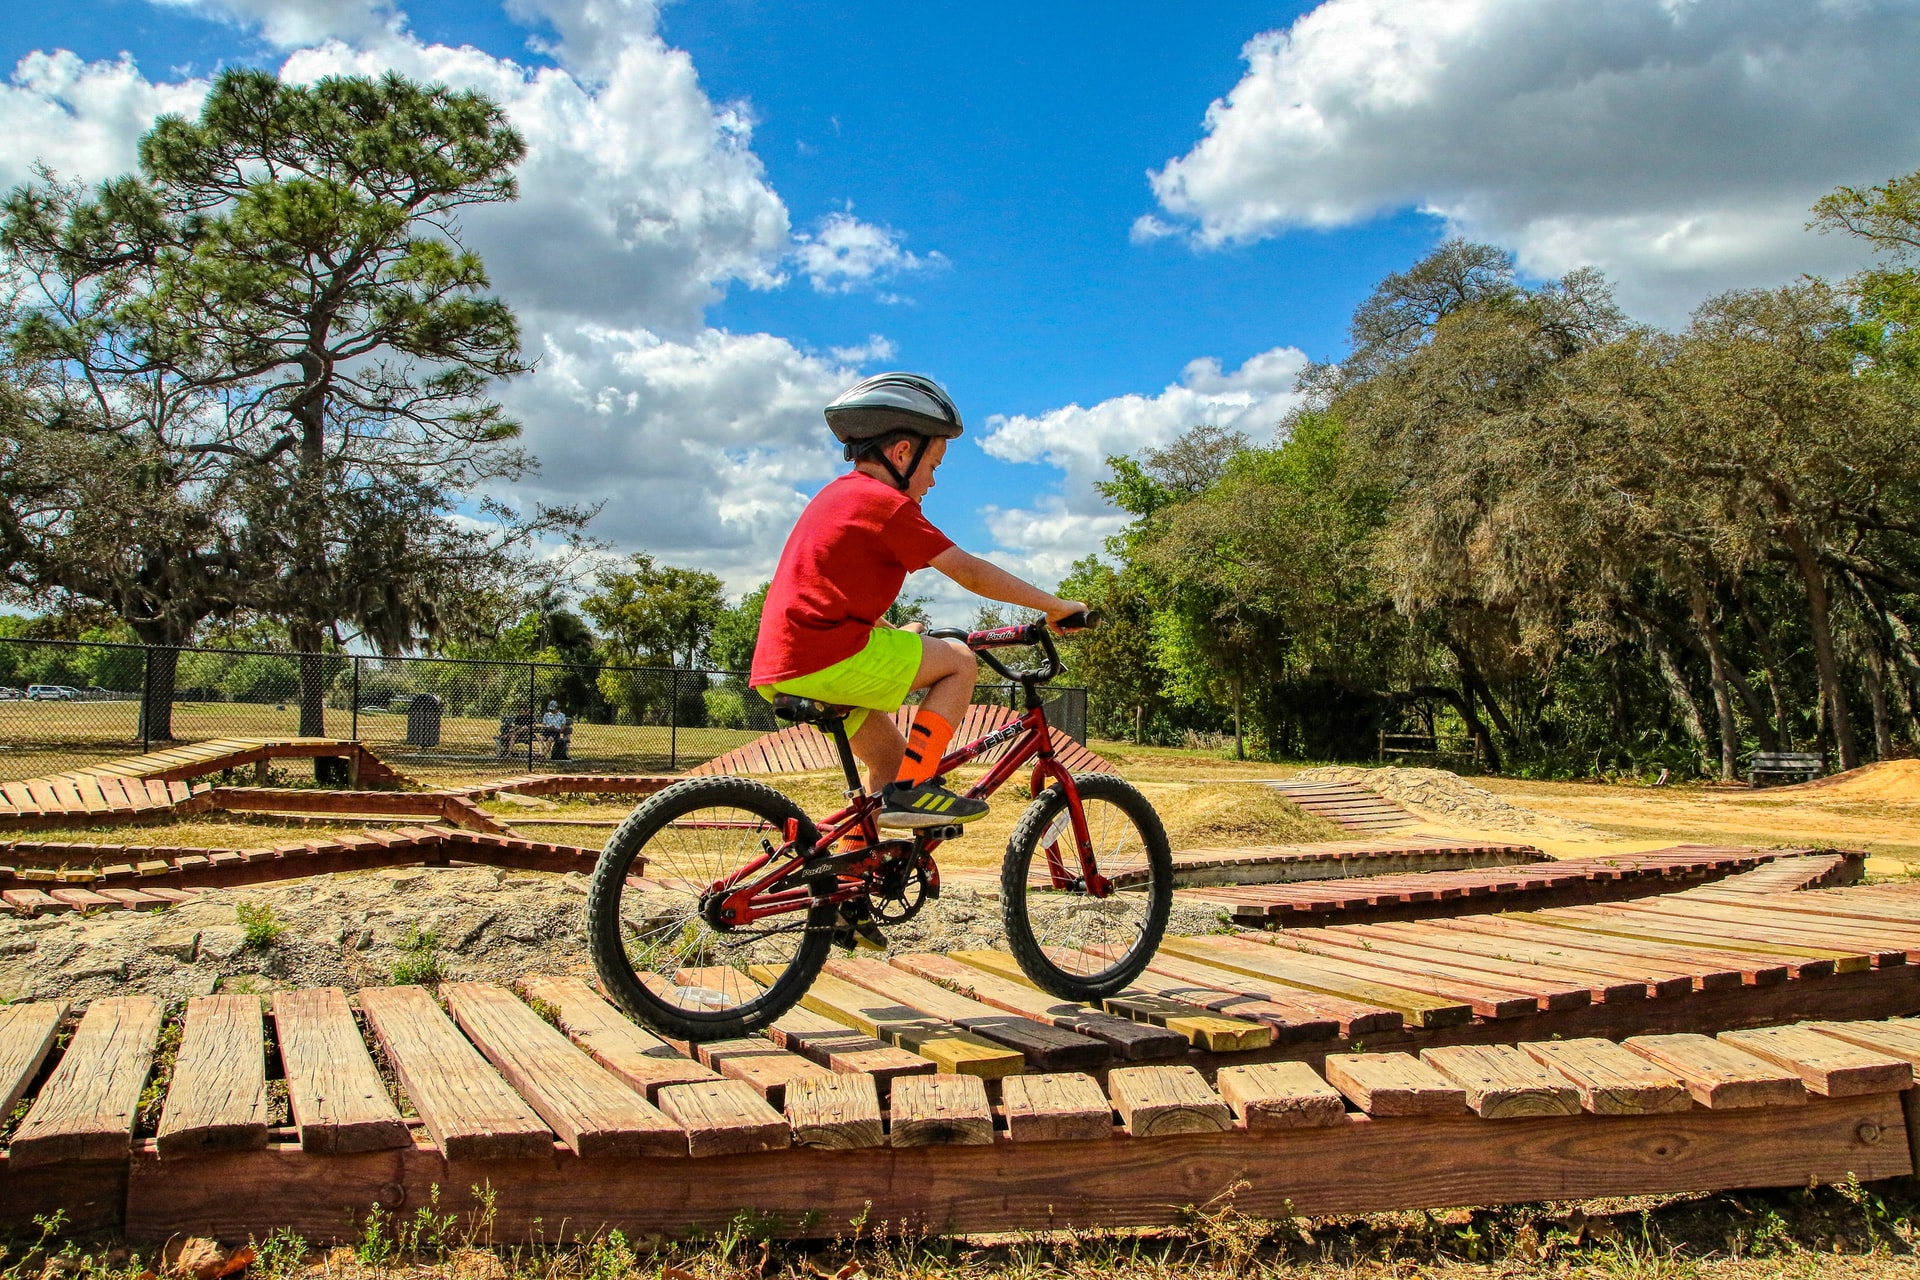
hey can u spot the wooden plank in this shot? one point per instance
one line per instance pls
(27, 1031)
(1042, 1044)
(585, 1105)
(1280, 1095)
(1394, 1084)
(724, 1117)
(1063, 1107)
(940, 1110)
(1295, 970)
(1156, 1101)
(1218, 1033)
(1359, 1167)
(217, 1098)
(836, 1112)
(465, 1105)
(339, 1103)
(1351, 1018)
(763, 1066)
(1407, 965)
(1897, 1039)
(1129, 1040)
(1720, 1076)
(1494, 934)
(1827, 1066)
(1502, 1083)
(87, 1108)
(1610, 1080)
(642, 1059)
(955, 1051)
(845, 1050)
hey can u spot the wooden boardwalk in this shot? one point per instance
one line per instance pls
(1352, 807)
(801, 748)
(1472, 886)
(38, 878)
(1538, 1055)
(1341, 859)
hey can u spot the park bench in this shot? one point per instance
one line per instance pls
(519, 730)
(1805, 765)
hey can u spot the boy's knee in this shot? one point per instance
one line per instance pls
(963, 660)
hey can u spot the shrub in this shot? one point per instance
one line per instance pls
(257, 919)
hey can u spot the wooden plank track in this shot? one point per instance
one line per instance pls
(468, 1109)
(217, 1098)
(340, 1106)
(1357, 1166)
(86, 1110)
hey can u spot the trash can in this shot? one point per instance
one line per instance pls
(423, 720)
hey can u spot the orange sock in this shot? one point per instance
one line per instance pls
(926, 742)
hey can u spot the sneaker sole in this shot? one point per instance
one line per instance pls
(913, 821)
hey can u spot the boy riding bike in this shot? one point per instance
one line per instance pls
(714, 905)
(822, 634)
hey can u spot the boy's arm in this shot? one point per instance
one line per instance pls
(983, 577)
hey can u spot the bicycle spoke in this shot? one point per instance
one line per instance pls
(1071, 924)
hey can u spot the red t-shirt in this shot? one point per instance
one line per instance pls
(842, 567)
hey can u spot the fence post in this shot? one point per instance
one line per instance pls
(531, 719)
(673, 720)
(353, 733)
(146, 699)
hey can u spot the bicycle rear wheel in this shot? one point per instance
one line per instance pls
(1069, 942)
(658, 953)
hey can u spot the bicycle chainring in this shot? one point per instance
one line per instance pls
(899, 887)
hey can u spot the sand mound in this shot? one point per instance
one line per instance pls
(1896, 781)
(1211, 814)
(1442, 796)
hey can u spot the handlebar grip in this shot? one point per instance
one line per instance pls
(1081, 621)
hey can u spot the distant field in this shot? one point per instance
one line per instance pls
(47, 737)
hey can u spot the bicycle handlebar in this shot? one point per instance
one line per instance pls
(1026, 633)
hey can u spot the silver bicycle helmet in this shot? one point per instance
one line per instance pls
(875, 412)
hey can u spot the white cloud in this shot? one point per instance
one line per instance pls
(842, 254)
(1042, 541)
(641, 200)
(288, 24)
(81, 119)
(702, 450)
(1674, 143)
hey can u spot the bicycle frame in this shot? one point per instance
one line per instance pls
(765, 888)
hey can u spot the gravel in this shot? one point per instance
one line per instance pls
(354, 929)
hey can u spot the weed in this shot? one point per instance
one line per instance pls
(375, 1245)
(280, 1256)
(428, 1233)
(419, 961)
(610, 1257)
(257, 920)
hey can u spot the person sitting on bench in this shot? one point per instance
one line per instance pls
(557, 730)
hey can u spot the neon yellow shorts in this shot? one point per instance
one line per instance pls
(878, 678)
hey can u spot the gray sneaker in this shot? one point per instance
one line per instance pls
(926, 805)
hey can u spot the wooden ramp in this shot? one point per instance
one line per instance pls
(40, 878)
(801, 748)
(571, 1121)
(1355, 808)
(1341, 859)
(1492, 884)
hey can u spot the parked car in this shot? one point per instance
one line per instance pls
(9, 694)
(52, 692)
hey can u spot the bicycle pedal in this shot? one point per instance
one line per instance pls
(952, 831)
(853, 935)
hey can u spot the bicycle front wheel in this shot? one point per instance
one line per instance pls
(1069, 942)
(654, 945)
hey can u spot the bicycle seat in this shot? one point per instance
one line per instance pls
(804, 710)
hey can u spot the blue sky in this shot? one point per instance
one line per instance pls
(1099, 225)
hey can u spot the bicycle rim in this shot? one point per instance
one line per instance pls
(1070, 942)
(655, 947)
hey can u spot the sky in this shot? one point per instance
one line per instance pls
(1097, 225)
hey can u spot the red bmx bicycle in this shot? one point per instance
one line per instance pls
(714, 905)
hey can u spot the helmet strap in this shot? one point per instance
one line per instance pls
(900, 482)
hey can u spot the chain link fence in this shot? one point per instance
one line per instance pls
(68, 704)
